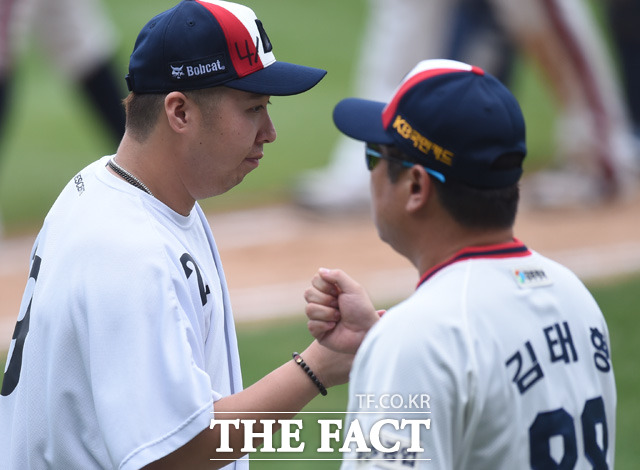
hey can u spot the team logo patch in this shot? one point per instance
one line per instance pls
(420, 142)
(177, 72)
(531, 277)
(198, 68)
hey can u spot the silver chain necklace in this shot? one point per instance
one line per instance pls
(128, 177)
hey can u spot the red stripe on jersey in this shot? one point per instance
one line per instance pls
(390, 110)
(514, 249)
(241, 46)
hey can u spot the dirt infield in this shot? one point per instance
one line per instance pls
(270, 254)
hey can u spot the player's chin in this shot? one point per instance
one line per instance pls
(252, 163)
(247, 166)
(230, 182)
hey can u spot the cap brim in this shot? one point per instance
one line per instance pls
(279, 79)
(361, 120)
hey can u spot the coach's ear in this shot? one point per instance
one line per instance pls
(178, 109)
(420, 189)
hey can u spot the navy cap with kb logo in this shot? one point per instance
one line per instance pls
(205, 43)
(451, 117)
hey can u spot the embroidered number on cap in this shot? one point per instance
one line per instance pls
(266, 43)
(250, 56)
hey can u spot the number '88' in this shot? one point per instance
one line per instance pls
(560, 423)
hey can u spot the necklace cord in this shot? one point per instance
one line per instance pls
(128, 177)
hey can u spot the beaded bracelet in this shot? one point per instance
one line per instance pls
(298, 360)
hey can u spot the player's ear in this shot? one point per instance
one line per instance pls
(177, 109)
(420, 188)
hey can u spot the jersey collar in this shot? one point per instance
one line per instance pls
(513, 249)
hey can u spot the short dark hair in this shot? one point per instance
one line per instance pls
(470, 207)
(142, 109)
(479, 208)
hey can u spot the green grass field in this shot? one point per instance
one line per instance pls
(52, 133)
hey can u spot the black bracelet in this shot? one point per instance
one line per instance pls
(298, 360)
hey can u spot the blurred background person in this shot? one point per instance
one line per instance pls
(623, 18)
(78, 39)
(595, 155)
(595, 159)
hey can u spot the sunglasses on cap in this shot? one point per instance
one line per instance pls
(373, 155)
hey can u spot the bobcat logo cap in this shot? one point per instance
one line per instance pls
(206, 43)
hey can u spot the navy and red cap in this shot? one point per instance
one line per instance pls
(451, 117)
(205, 43)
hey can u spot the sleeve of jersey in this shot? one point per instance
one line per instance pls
(410, 370)
(145, 357)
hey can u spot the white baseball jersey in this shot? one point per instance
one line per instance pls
(125, 336)
(503, 354)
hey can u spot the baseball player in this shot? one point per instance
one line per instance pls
(500, 359)
(79, 40)
(125, 346)
(596, 150)
(622, 16)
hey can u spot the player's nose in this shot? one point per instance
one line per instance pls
(267, 132)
